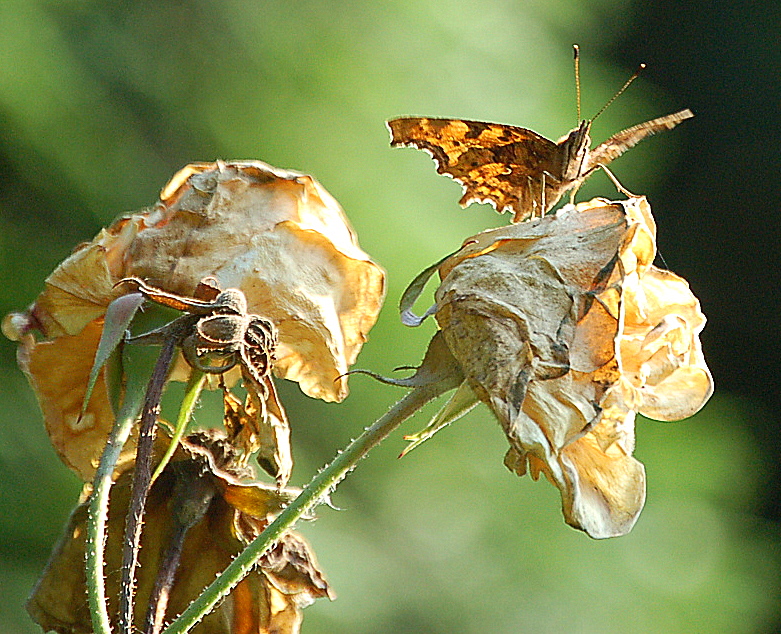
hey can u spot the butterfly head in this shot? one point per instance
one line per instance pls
(575, 147)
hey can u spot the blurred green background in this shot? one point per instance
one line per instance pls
(102, 101)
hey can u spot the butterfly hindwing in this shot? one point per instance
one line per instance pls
(498, 164)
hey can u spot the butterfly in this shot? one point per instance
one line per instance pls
(515, 169)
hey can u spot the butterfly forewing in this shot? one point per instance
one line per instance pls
(619, 143)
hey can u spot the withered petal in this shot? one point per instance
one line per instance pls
(281, 239)
(565, 329)
(276, 235)
(58, 373)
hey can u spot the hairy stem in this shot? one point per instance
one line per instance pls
(98, 506)
(320, 486)
(141, 479)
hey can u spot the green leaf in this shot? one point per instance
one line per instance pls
(118, 316)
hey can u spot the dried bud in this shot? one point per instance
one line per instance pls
(566, 330)
(276, 235)
(199, 515)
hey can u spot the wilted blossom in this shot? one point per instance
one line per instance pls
(566, 330)
(276, 235)
(200, 513)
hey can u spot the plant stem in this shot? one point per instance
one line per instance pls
(98, 507)
(191, 394)
(193, 493)
(141, 478)
(320, 486)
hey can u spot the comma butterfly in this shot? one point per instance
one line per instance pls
(515, 169)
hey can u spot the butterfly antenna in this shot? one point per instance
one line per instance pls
(576, 51)
(634, 76)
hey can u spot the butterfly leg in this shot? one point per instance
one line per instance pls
(618, 185)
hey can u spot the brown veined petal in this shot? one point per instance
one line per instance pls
(286, 243)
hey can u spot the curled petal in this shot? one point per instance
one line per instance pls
(279, 237)
(59, 376)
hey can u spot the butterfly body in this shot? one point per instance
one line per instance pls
(516, 169)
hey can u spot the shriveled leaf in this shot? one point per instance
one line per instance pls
(413, 292)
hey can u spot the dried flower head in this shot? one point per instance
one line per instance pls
(566, 330)
(201, 512)
(276, 235)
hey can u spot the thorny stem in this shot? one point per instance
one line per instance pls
(320, 486)
(141, 479)
(98, 506)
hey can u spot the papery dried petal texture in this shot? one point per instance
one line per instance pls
(277, 235)
(566, 330)
(269, 599)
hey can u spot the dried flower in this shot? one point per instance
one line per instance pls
(566, 330)
(276, 235)
(201, 512)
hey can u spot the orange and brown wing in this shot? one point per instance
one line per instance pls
(498, 164)
(620, 142)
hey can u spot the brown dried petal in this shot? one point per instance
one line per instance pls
(58, 374)
(660, 351)
(276, 235)
(566, 330)
(262, 427)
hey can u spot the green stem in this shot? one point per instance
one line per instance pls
(98, 507)
(320, 486)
